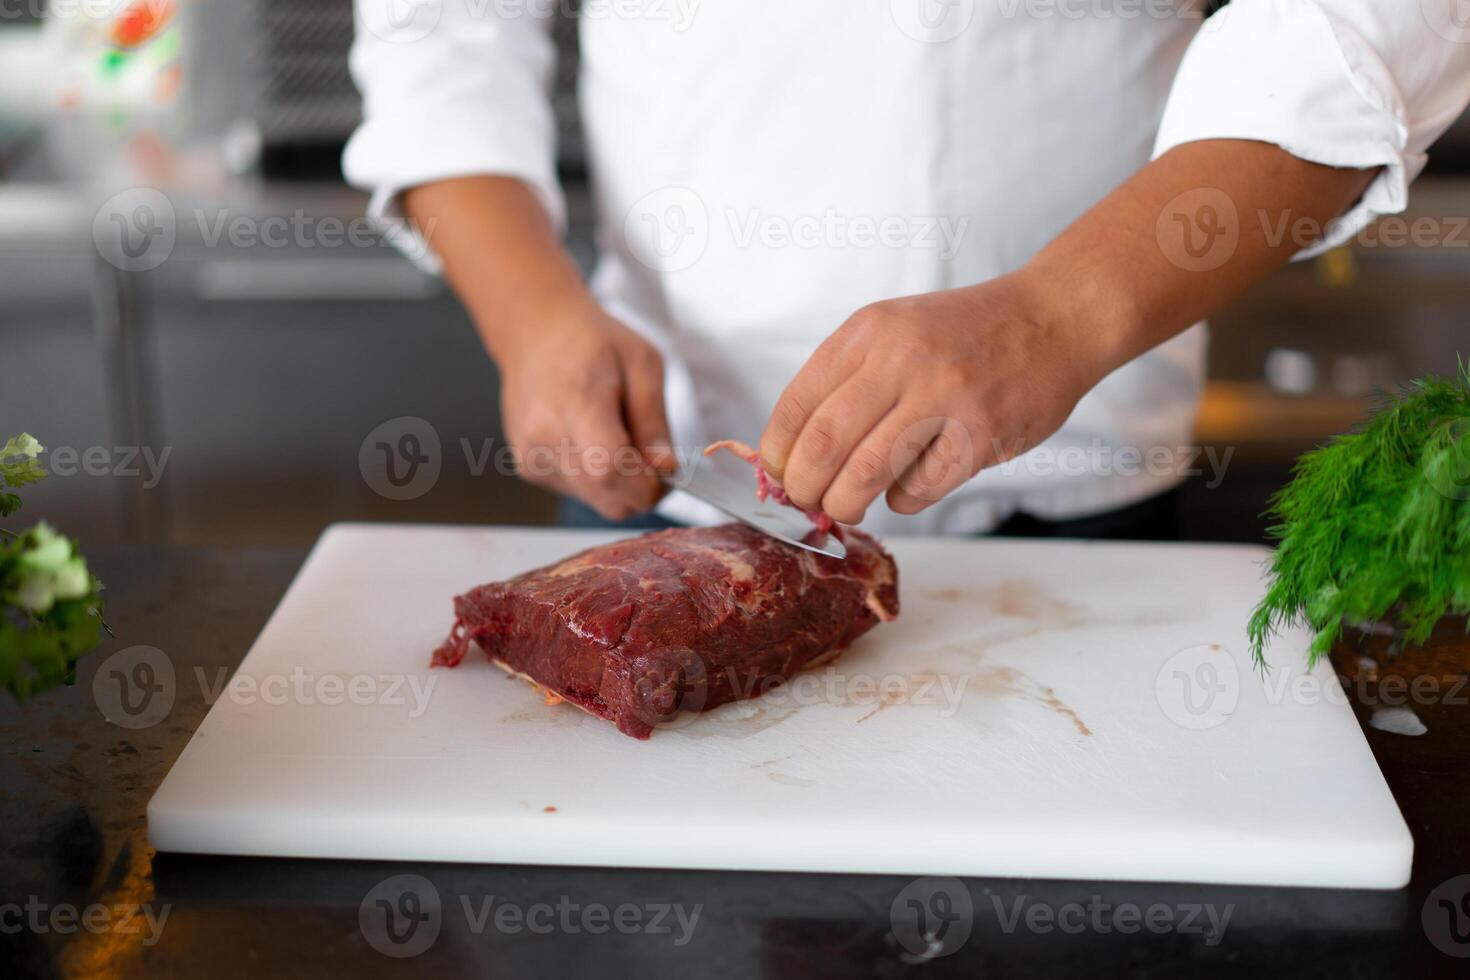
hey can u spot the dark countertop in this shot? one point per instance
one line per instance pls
(73, 788)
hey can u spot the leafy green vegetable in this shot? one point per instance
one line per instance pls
(45, 569)
(50, 604)
(18, 468)
(52, 610)
(1375, 526)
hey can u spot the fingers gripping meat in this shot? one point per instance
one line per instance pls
(767, 488)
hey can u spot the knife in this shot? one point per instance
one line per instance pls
(729, 485)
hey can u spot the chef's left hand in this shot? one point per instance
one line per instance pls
(913, 396)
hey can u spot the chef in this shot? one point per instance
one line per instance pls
(945, 262)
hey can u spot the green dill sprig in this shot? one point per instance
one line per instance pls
(1374, 526)
(50, 603)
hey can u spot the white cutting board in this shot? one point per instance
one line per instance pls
(1101, 720)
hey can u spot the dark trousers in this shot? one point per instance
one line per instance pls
(1154, 519)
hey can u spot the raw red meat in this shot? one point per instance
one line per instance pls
(687, 619)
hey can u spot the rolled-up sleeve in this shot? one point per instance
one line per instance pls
(1346, 83)
(451, 88)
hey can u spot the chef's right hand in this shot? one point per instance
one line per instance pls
(582, 395)
(583, 404)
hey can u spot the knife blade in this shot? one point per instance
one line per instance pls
(729, 485)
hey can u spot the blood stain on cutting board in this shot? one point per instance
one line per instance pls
(1000, 681)
(926, 688)
(742, 719)
(887, 699)
(1015, 599)
(1038, 612)
(785, 779)
(1028, 601)
(1049, 698)
(1004, 682)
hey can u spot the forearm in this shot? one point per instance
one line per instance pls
(580, 392)
(912, 396)
(1124, 277)
(502, 256)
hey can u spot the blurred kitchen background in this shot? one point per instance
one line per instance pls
(261, 369)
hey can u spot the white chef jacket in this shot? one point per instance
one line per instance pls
(763, 168)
